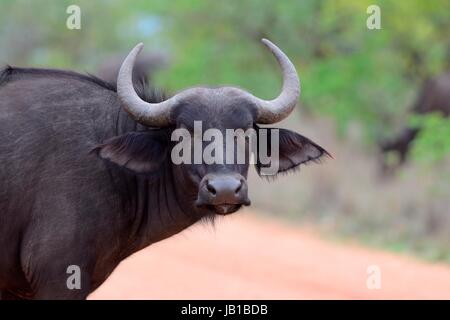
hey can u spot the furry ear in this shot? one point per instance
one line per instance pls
(294, 150)
(140, 152)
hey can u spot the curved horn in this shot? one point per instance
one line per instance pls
(275, 110)
(158, 114)
(151, 114)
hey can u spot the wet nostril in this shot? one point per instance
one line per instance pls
(238, 189)
(210, 188)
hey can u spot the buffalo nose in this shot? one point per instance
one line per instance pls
(223, 189)
(224, 186)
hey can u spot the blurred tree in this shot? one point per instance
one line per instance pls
(350, 73)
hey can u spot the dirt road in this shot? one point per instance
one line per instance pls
(248, 257)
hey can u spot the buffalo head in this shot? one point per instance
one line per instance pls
(217, 186)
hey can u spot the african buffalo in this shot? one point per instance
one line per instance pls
(86, 177)
(434, 97)
(145, 67)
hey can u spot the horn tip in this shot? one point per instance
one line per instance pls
(269, 44)
(139, 46)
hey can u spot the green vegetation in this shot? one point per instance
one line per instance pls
(433, 142)
(349, 72)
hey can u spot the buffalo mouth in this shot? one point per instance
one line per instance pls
(224, 209)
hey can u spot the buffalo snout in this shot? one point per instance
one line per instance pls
(224, 193)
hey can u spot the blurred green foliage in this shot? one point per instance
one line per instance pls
(350, 73)
(433, 141)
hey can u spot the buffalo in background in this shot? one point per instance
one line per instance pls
(434, 97)
(146, 66)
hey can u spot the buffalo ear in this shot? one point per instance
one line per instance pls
(294, 150)
(140, 152)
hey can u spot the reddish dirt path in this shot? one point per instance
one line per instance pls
(247, 257)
